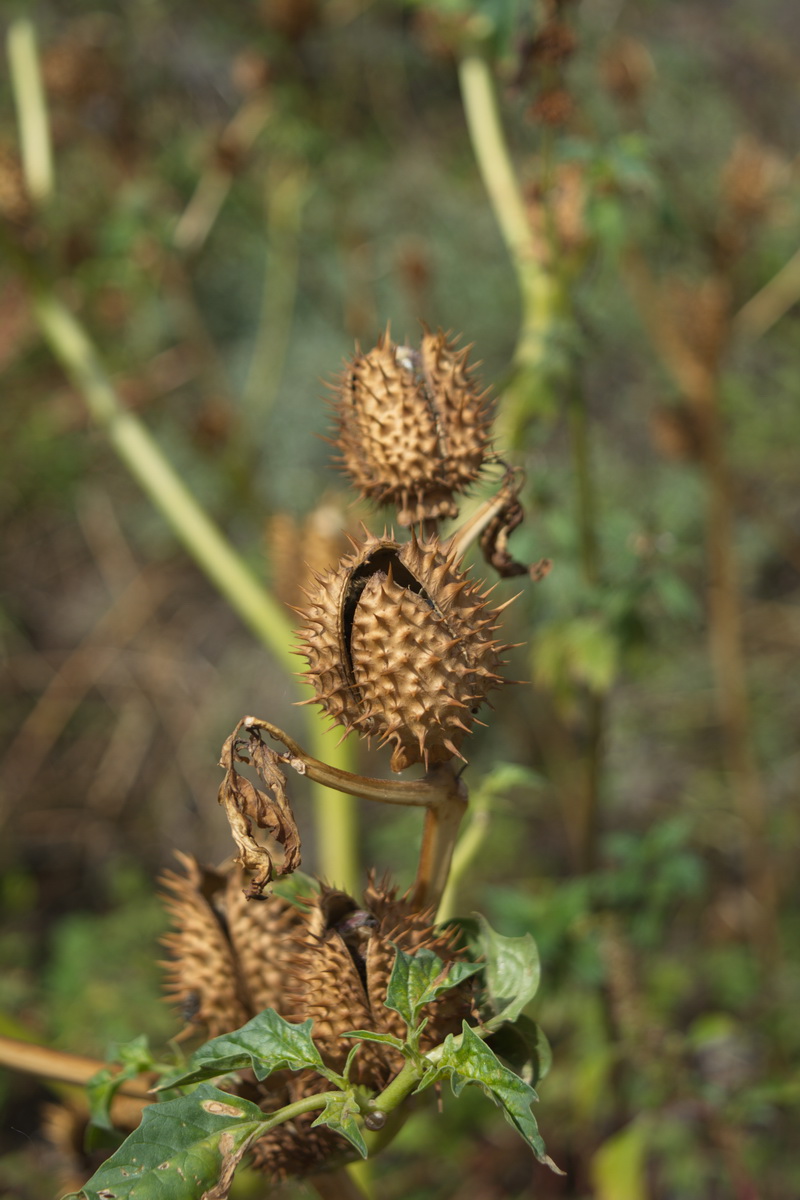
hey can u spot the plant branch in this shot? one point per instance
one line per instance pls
(465, 851)
(45, 1063)
(442, 823)
(430, 791)
(441, 792)
(772, 302)
(31, 106)
(199, 535)
(541, 292)
(334, 814)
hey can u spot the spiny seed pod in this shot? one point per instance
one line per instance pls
(336, 957)
(202, 978)
(399, 646)
(412, 426)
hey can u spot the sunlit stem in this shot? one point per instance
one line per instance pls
(194, 528)
(59, 1065)
(401, 1086)
(31, 106)
(466, 851)
(442, 823)
(432, 790)
(441, 792)
(471, 529)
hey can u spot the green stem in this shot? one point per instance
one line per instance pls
(334, 813)
(539, 363)
(399, 1089)
(146, 462)
(466, 850)
(541, 291)
(335, 817)
(494, 161)
(31, 106)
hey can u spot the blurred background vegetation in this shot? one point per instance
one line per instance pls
(239, 192)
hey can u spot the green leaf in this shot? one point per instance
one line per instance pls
(419, 978)
(298, 888)
(369, 1035)
(339, 1113)
(265, 1044)
(523, 1045)
(512, 972)
(469, 1060)
(181, 1150)
(135, 1058)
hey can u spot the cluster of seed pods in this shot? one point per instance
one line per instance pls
(400, 642)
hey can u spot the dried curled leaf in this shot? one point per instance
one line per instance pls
(494, 540)
(494, 544)
(245, 804)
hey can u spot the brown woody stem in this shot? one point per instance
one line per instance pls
(59, 1065)
(421, 793)
(473, 527)
(441, 792)
(442, 822)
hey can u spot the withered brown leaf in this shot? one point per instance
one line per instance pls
(244, 804)
(494, 544)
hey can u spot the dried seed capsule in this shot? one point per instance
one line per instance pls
(201, 972)
(399, 646)
(335, 957)
(412, 426)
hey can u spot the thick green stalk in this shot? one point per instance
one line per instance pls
(541, 359)
(335, 814)
(31, 105)
(467, 850)
(541, 291)
(149, 466)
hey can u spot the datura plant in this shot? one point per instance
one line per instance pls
(327, 1012)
